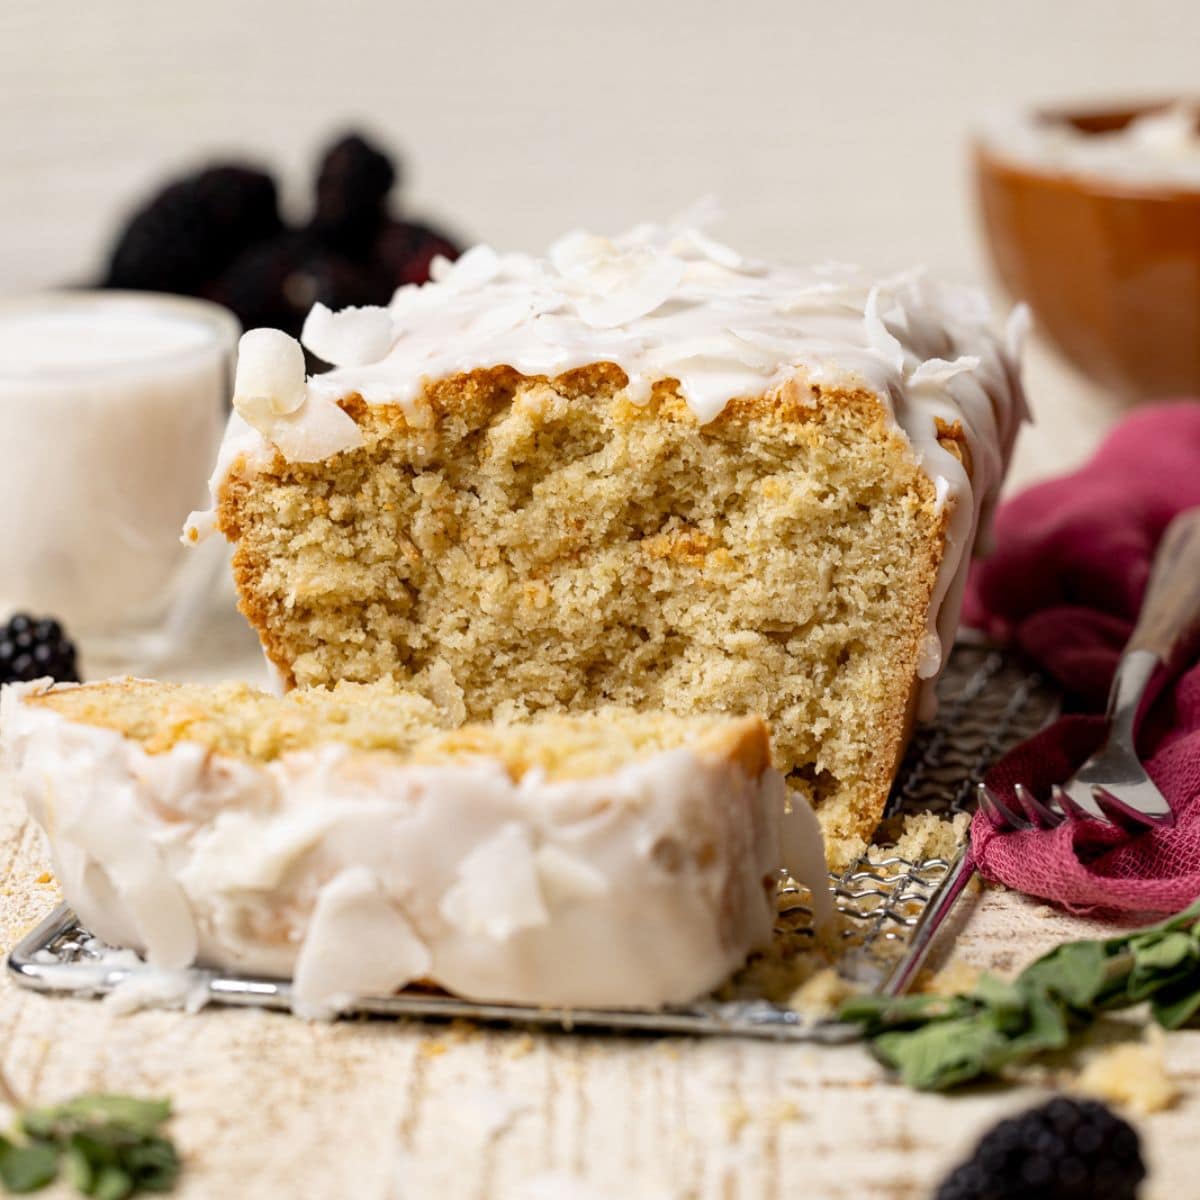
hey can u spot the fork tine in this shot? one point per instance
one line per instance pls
(998, 810)
(1120, 812)
(1069, 806)
(1041, 815)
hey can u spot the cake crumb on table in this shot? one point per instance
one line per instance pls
(821, 994)
(1133, 1074)
(954, 978)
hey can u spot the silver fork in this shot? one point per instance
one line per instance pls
(1113, 785)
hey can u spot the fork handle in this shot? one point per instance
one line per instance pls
(1169, 625)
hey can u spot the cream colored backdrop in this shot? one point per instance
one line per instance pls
(827, 129)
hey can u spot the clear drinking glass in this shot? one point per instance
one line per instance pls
(112, 406)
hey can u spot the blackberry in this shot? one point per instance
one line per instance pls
(276, 283)
(1064, 1150)
(193, 229)
(32, 649)
(406, 248)
(353, 184)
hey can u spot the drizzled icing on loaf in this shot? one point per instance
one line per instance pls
(668, 302)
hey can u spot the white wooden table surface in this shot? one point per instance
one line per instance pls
(269, 1106)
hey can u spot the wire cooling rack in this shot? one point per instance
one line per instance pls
(988, 701)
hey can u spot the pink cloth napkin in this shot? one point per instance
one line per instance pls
(1064, 584)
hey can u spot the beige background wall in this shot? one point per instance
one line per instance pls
(828, 129)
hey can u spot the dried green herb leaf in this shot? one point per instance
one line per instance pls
(78, 1168)
(1159, 961)
(1047, 1028)
(112, 1183)
(1005, 1003)
(896, 1012)
(1076, 971)
(943, 1053)
(111, 1146)
(1173, 1009)
(118, 1116)
(938, 1041)
(154, 1164)
(27, 1167)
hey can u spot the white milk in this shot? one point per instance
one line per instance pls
(111, 410)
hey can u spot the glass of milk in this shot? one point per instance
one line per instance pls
(111, 410)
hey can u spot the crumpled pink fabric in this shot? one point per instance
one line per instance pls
(1064, 584)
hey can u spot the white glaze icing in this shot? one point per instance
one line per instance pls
(1159, 148)
(355, 873)
(668, 302)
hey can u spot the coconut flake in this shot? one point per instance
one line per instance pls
(505, 317)
(715, 252)
(497, 892)
(629, 287)
(879, 337)
(317, 431)
(153, 987)
(351, 337)
(939, 370)
(351, 911)
(270, 380)
(577, 253)
(565, 877)
(472, 270)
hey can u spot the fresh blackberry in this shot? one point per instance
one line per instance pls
(353, 184)
(276, 283)
(193, 229)
(1064, 1150)
(32, 649)
(406, 248)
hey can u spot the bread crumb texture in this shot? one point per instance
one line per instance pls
(239, 721)
(516, 545)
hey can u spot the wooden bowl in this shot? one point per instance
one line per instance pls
(1110, 267)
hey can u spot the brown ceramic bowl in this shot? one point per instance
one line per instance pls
(1111, 268)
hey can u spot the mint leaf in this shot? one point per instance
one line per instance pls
(1173, 1009)
(1047, 1028)
(940, 1041)
(1005, 1002)
(79, 1169)
(112, 1183)
(1075, 971)
(888, 1012)
(127, 1115)
(28, 1167)
(1159, 961)
(154, 1164)
(943, 1053)
(111, 1146)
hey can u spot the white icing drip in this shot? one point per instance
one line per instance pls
(356, 873)
(666, 302)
